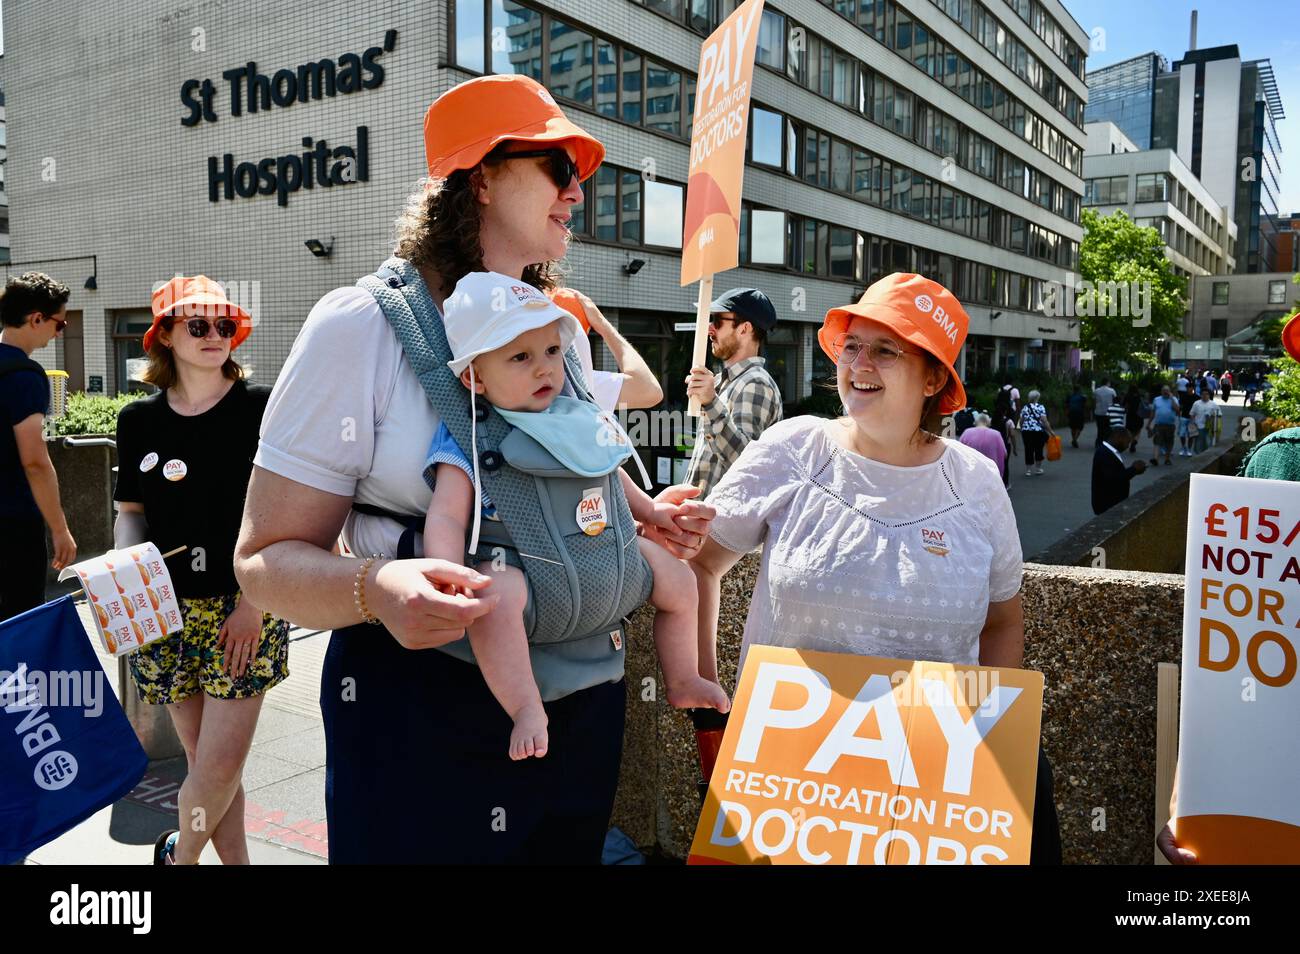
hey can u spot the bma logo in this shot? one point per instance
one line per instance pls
(55, 771)
(924, 304)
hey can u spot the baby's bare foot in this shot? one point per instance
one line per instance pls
(529, 738)
(698, 693)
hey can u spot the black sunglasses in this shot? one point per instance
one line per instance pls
(199, 327)
(717, 320)
(561, 167)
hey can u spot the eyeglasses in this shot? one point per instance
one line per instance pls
(561, 167)
(883, 353)
(717, 320)
(59, 324)
(199, 327)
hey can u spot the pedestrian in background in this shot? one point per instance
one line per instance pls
(1203, 419)
(1076, 407)
(34, 311)
(1185, 401)
(1004, 422)
(1102, 398)
(1034, 430)
(1134, 414)
(1164, 420)
(1110, 475)
(988, 442)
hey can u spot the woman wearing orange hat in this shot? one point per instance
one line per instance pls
(341, 456)
(184, 458)
(879, 537)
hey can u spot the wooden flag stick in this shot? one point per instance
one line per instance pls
(699, 357)
(165, 556)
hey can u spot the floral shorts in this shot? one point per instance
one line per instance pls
(176, 667)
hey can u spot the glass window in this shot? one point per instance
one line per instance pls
(522, 29)
(771, 40)
(841, 166)
(571, 57)
(843, 248)
(823, 160)
(767, 237)
(903, 192)
(1277, 293)
(792, 131)
(606, 79)
(470, 17)
(663, 98)
(811, 252)
(862, 174)
(1220, 293)
(631, 72)
(903, 113)
(663, 214)
(767, 135)
(606, 191)
(630, 229)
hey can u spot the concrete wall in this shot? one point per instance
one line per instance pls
(1096, 635)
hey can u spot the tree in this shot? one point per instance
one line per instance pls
(1129, 295)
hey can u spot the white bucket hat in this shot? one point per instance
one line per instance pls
(489, 310)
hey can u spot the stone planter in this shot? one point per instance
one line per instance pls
(86, 490)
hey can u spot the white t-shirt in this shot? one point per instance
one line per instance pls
(1202, 411)
(348, 416)
(864, 557)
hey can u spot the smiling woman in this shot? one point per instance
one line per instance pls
(408, 715)
(849, 511)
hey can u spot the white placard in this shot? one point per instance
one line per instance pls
(1239, 749)
(131, 596)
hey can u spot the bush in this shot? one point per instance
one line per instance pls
(1282, 400)
(92, 413)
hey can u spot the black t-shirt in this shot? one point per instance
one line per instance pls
(1185, 401)
(191, 474)
(22, 393)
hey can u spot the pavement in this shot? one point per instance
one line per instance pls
(1055, 504)
(284, 777)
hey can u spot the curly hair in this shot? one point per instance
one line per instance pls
(439, 230)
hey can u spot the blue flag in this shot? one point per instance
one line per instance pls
(66, 748)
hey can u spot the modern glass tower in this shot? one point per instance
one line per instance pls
(1124, 94)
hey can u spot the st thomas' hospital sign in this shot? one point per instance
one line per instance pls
(251, 91)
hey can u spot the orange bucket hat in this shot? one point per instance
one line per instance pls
(468, 121)
(197, 297)
(568, 299)
(917, 310)
(1291, 336)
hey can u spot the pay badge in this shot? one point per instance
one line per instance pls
(591, 512)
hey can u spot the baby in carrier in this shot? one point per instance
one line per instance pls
(508, 341)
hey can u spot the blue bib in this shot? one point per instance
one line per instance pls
(578, 434)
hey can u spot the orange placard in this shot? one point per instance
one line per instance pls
(711, 228)
(842, 759)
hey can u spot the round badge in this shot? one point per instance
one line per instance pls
(175, 469)
(149, 462)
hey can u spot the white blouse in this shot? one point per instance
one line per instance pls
(863, 557)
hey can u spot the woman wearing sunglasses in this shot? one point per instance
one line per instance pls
(184, 458)
(405, 722)
(879, 537)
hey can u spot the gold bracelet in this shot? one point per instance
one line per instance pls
(359, 590)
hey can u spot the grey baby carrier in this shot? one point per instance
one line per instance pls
(581, 586)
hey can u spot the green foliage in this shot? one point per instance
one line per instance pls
(92, 413)
(1282, 401)
(1115, 249)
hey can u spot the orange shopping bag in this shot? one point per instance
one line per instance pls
(1054, 447)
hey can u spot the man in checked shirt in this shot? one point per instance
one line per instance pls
(737, 405)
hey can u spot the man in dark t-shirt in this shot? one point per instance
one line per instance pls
(33, 308)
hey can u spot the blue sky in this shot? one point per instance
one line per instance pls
(1262, 29)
